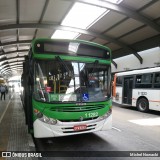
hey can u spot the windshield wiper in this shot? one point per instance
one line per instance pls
(62, 63)
(40, 85)
(94, 67)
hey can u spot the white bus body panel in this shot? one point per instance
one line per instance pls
(43, 130)
(118, 98)
(153, 96)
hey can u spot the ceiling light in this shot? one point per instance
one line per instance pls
(82, 15)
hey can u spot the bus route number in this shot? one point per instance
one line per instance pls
(90, 115)
(142, 93)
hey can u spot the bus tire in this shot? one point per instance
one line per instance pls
(143, 105)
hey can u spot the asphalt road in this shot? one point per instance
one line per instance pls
(132, 131)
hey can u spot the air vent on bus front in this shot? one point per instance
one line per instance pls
(77, 108)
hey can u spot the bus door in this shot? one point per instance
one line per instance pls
(127, 90)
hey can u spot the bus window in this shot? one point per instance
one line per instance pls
(144, 81)
(119, 81)
(157, 80)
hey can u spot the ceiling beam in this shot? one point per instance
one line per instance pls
(7, 67)
(115, 64)
(122, 10)
(6, 70)
(16, 57)
(126, 18)
(44, 10)
(10, 52)
(17, 62)
(148, 5)
(18, 15)
(15, 43)
(12, 58)
(13, 68)
(41, 17)
(82, 31)
(17, 18)
(134, 30)
(18, 10)
(18, 65)
(7, 74)
(17, 38)
(139, 46)
(3, 53)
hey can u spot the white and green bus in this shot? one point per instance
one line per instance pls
(140, 88)
(67, 88)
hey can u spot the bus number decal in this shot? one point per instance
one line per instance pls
(90, 115)
(142, 93)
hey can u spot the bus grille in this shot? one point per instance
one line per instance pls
(78, 120)
(77, 108)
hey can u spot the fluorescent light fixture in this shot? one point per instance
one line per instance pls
(61, 34)
(82, 15)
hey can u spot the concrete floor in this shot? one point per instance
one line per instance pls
(6, 110)
(13, 131)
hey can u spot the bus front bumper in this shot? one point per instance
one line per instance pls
(44, 130)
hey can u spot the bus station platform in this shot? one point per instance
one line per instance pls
(13, 130)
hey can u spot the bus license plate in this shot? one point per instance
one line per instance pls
(80, 127)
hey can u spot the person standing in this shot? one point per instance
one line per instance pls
(3, 92)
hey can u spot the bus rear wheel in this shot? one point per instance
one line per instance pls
(143, 105)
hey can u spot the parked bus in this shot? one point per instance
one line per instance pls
(140, 88)
(67, 87)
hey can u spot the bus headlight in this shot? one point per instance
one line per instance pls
(44, 119)
(106, 115)
(53, 121)
(48, 120)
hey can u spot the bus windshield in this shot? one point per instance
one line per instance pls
(70, 81)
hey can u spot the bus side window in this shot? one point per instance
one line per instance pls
(144, 81)
(119, 81)
(157, 80)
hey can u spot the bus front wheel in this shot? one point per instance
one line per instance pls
(143, 105)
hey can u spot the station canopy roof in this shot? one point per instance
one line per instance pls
(125, 26)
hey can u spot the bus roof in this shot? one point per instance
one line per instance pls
(72, 40)
(72, 49)
(139, 71)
